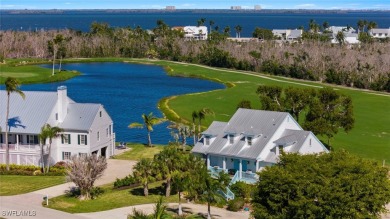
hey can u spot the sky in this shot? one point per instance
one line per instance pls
(194, 4)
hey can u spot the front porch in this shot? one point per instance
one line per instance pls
(239, 169)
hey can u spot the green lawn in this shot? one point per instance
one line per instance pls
(13, 185)
(369, 138)
(28, 72)
(139, 151)
(111, 199)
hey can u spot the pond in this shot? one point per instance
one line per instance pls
(127, 91)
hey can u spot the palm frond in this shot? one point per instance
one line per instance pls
(136, 125)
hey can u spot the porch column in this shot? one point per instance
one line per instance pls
(257, 165)
(208, 161)
(240, 169)
(224, 164)
(17, 142)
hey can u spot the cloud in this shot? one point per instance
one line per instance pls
(187, 5)
(302, 6)
(67, 3)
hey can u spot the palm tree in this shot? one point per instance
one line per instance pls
(340, 37)
(182, 176)
(325, 25)
(144, 173)
(201, 115)
(49, 132)
(11, 86)
(211, 187)
(238, 29)
(149, 121)
(168, 161)
(226, 30)
(211, 22)
(53, 46)
(194, 118)
(184, 132)
(361, 24)
(372, 25)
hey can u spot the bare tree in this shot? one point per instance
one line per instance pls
(84, 171)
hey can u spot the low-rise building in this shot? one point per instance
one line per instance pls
(195, 32)
(88, 129)
(287, 34)
(336, 29)
(252, 140)
(379, 33)
(349, 38)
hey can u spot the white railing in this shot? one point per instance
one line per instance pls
(24, 147)
(214, 171)
(247, 177)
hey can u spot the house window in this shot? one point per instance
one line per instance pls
(100, 113)
(1, 138)
(82, 139)
(66, 155)
(65, 139)
(207, 140)
(231, 139)
(109, 129)
(249, 140)
(56, 116)
(310, 141)
(98, 136)
(32, 139)
(82, 154)
(107, 132)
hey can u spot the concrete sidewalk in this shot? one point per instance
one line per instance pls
(30, 204)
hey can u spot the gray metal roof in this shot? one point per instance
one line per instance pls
(80, 116)
(27, 115)
(296, 138)
(265, 123)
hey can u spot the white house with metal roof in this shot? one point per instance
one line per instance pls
(195, 32)
(287, 34)
(88, 129)
(252, 140)
(379, 33)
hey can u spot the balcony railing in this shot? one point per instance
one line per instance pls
(214, 171)
(24, 147)
(247, 177)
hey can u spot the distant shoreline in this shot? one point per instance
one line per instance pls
(262, 11)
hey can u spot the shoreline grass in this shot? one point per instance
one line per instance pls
(28, 71)
(139, 151)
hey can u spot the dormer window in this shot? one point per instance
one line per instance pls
(231, 138)
(249, 140)
(207, 140)
(280, 148)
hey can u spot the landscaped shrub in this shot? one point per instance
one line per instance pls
(96, 191)
(236, 204)
(127, 181)
(243, 190)
(30, 170)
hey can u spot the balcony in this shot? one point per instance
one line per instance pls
(246, 177)
(31, 148)
(214, 171)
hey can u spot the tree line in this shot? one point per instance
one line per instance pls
(325, 110)
(363, 66)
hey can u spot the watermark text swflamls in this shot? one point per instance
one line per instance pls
(18, 213)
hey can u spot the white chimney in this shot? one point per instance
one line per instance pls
(62, 103)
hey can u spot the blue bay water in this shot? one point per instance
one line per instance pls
(127, 91)
(81, 20)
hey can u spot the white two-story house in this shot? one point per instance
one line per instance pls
(252, 140)
(88, 129)
(195, 32)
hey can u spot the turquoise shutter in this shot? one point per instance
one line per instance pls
(78, 139)
(62, 140)
(86, 139)
(69, 138)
